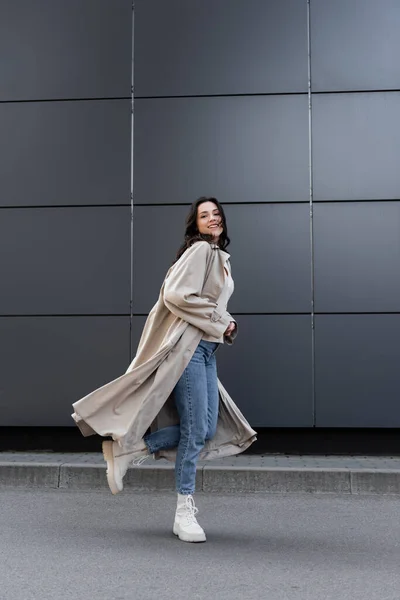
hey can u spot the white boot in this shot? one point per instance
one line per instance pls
(186, 526)
(119, 461)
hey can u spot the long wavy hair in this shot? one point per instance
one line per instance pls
(193, 235)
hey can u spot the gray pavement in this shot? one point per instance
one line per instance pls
(243, 473)
(62, 545)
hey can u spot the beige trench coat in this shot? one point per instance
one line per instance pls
(141, 398)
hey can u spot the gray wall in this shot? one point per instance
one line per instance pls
(221, 107)
(65, 145)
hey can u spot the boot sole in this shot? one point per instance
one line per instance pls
(107, 448)
(185, 537)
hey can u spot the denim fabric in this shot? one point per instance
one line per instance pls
(197, 399)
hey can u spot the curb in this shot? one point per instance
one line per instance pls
(222, 479)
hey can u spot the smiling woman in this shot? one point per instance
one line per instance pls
(209, 219)
(172, 385)
(205, 221)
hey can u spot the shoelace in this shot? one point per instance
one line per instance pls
(191, 510)
(139, 461)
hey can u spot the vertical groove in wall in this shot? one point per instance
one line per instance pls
(310, 168)
(131, 191)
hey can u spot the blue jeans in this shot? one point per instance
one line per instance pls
(197, 399)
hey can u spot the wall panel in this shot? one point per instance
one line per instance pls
(206, 47)
(268, 370)
(238, 149)
(136, 332)
(50, 362)
(357, 257)
(54, 49)
(355, 45)
(65, 153)
(65, 261)
(158, 232)
(356, 145)
(357, 370)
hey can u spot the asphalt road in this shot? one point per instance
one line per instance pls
(81, 545)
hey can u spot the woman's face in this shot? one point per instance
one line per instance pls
(209, 219)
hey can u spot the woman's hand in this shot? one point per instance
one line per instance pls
(231, 328)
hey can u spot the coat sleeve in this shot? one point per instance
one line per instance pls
(183, 293)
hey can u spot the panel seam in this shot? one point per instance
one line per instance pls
(131, 178)
(310, 170)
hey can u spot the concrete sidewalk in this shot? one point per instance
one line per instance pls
(244, 473)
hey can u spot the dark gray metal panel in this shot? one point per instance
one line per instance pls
(220, 47)
(268, 370)
(65, 261)
(355, 45)
(357, 370)
(356, 145)
(53, 49)
(54, 153)
(239, 149)
(271, 256)
(357, 257)
(137, 328)
(47, 363)
(166, 224)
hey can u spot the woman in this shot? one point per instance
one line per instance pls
(172, 385)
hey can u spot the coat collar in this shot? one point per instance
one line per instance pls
(223, 255)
